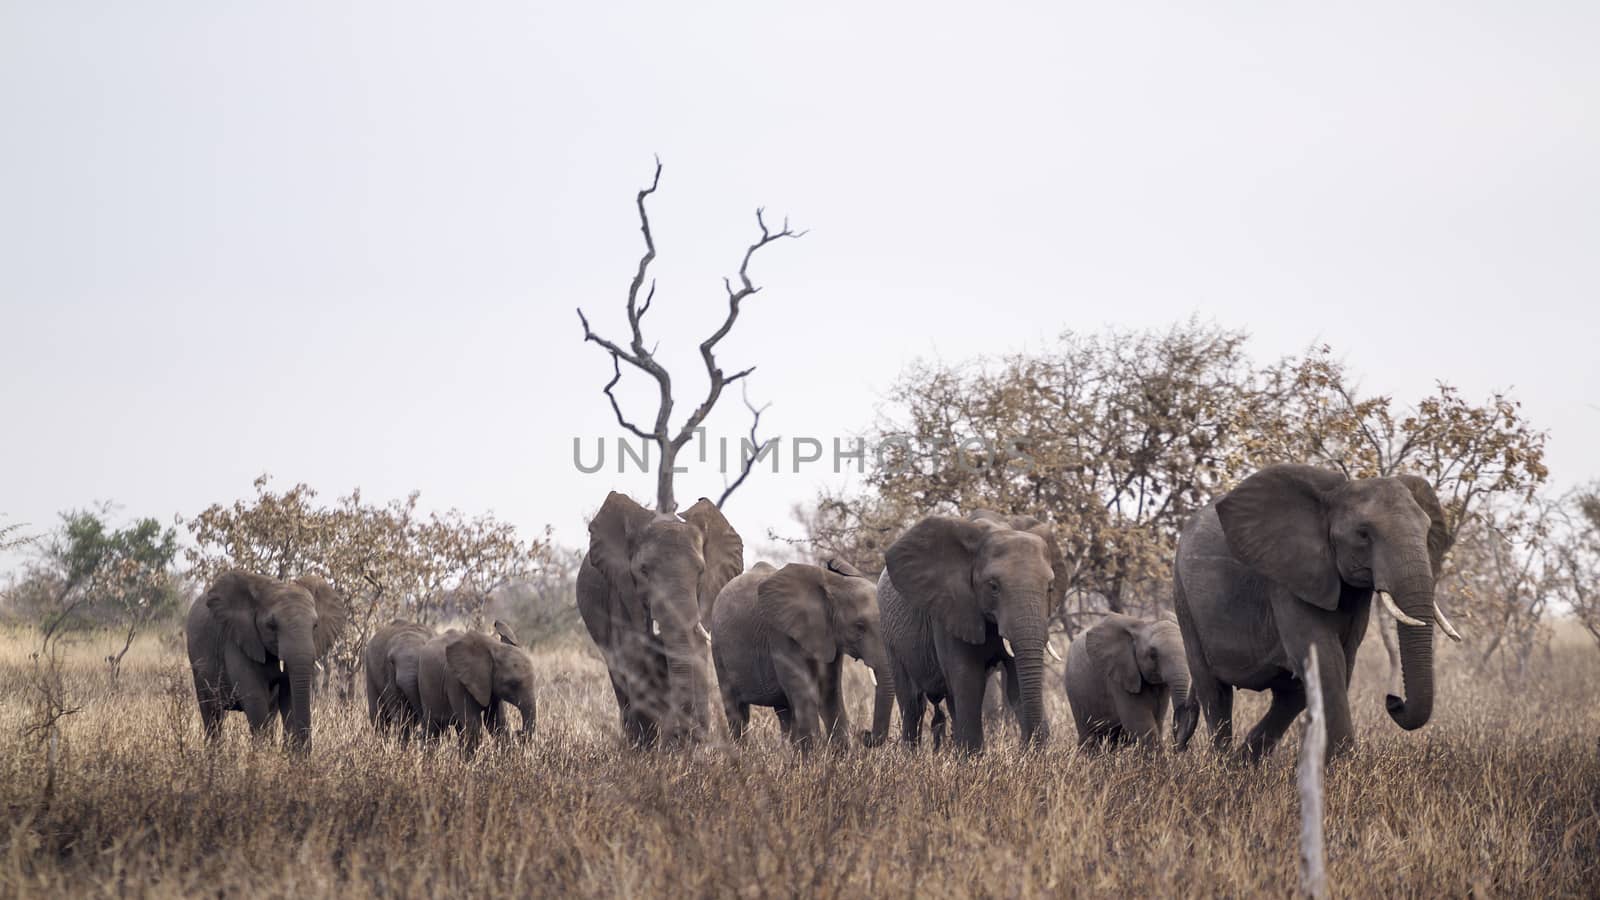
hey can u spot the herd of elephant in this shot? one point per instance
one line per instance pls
(1289, 560)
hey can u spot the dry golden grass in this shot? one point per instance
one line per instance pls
(1499, 796)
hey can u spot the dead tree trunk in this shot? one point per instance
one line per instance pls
(1313, 752)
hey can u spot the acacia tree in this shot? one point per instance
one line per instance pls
(660, 433)
(386, 561)
(1119, 437)
(1577, 553)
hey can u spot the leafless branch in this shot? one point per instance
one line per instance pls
(735, 297)
(756, 447)
(616, 376)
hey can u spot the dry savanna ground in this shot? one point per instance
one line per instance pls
(1499, 796)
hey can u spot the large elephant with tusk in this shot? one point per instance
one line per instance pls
(1291, 558)
(959, 597)
(646, 588)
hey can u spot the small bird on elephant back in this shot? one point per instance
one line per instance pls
(254, 643)
(646, 590)
(779, 638)
(1290, 559)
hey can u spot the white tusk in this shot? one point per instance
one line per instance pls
(1006, 643)
(874, 676)
(1394, 610)
(704, 634)
(1051, 649)
(1444, 624)
(655, 627)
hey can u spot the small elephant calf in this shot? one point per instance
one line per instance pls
(779, 638)
(1120, 675)
(463, 678)
(391, 660)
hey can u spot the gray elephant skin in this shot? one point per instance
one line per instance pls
(391, 660)
(646, 590)
(954, 594)
(464, 678)
(254, 643)
(1120, 676)
(779, 638)
(1289, 560)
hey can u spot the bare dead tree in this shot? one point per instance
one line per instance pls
(637, 355)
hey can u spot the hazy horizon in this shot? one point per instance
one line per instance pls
(343, 244)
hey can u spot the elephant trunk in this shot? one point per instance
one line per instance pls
(299, 663)
(529, 709)
(1027, 638)
(688, 687)
(1416, 656)
(877, 659)
(1185, 712)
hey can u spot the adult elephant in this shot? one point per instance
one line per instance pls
(1120, 675)
(463, 679)
(646, 588)
(779, 638)
(1289, 560)
(959, 597)
(253, 646)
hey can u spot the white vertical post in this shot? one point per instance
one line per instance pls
(1313, 748)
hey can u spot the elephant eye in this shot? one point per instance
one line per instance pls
(1363, 534)
(994, 585)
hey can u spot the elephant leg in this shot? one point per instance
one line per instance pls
(835, 718)
(259, 701)
(1137, 720)
(1333, 672)
(738, 717)
(801, 690)
(912, 705)
(1288, 699)
(208, 695)
(940, 724)
(967, 680)
(1216, 701)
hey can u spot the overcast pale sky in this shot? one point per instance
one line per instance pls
(342, 242)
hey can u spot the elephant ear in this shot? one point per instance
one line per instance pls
(931, 565)
(1439, 536)
(723, 550)
(332, 614)
(1111, 648)
(613, 534)
(235, 600)
(796, 600)
(471, 661)
(1276, 523)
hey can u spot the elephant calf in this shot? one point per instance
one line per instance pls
(1120, 675)
(391, 661)
(779, 638)
(464, 677)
